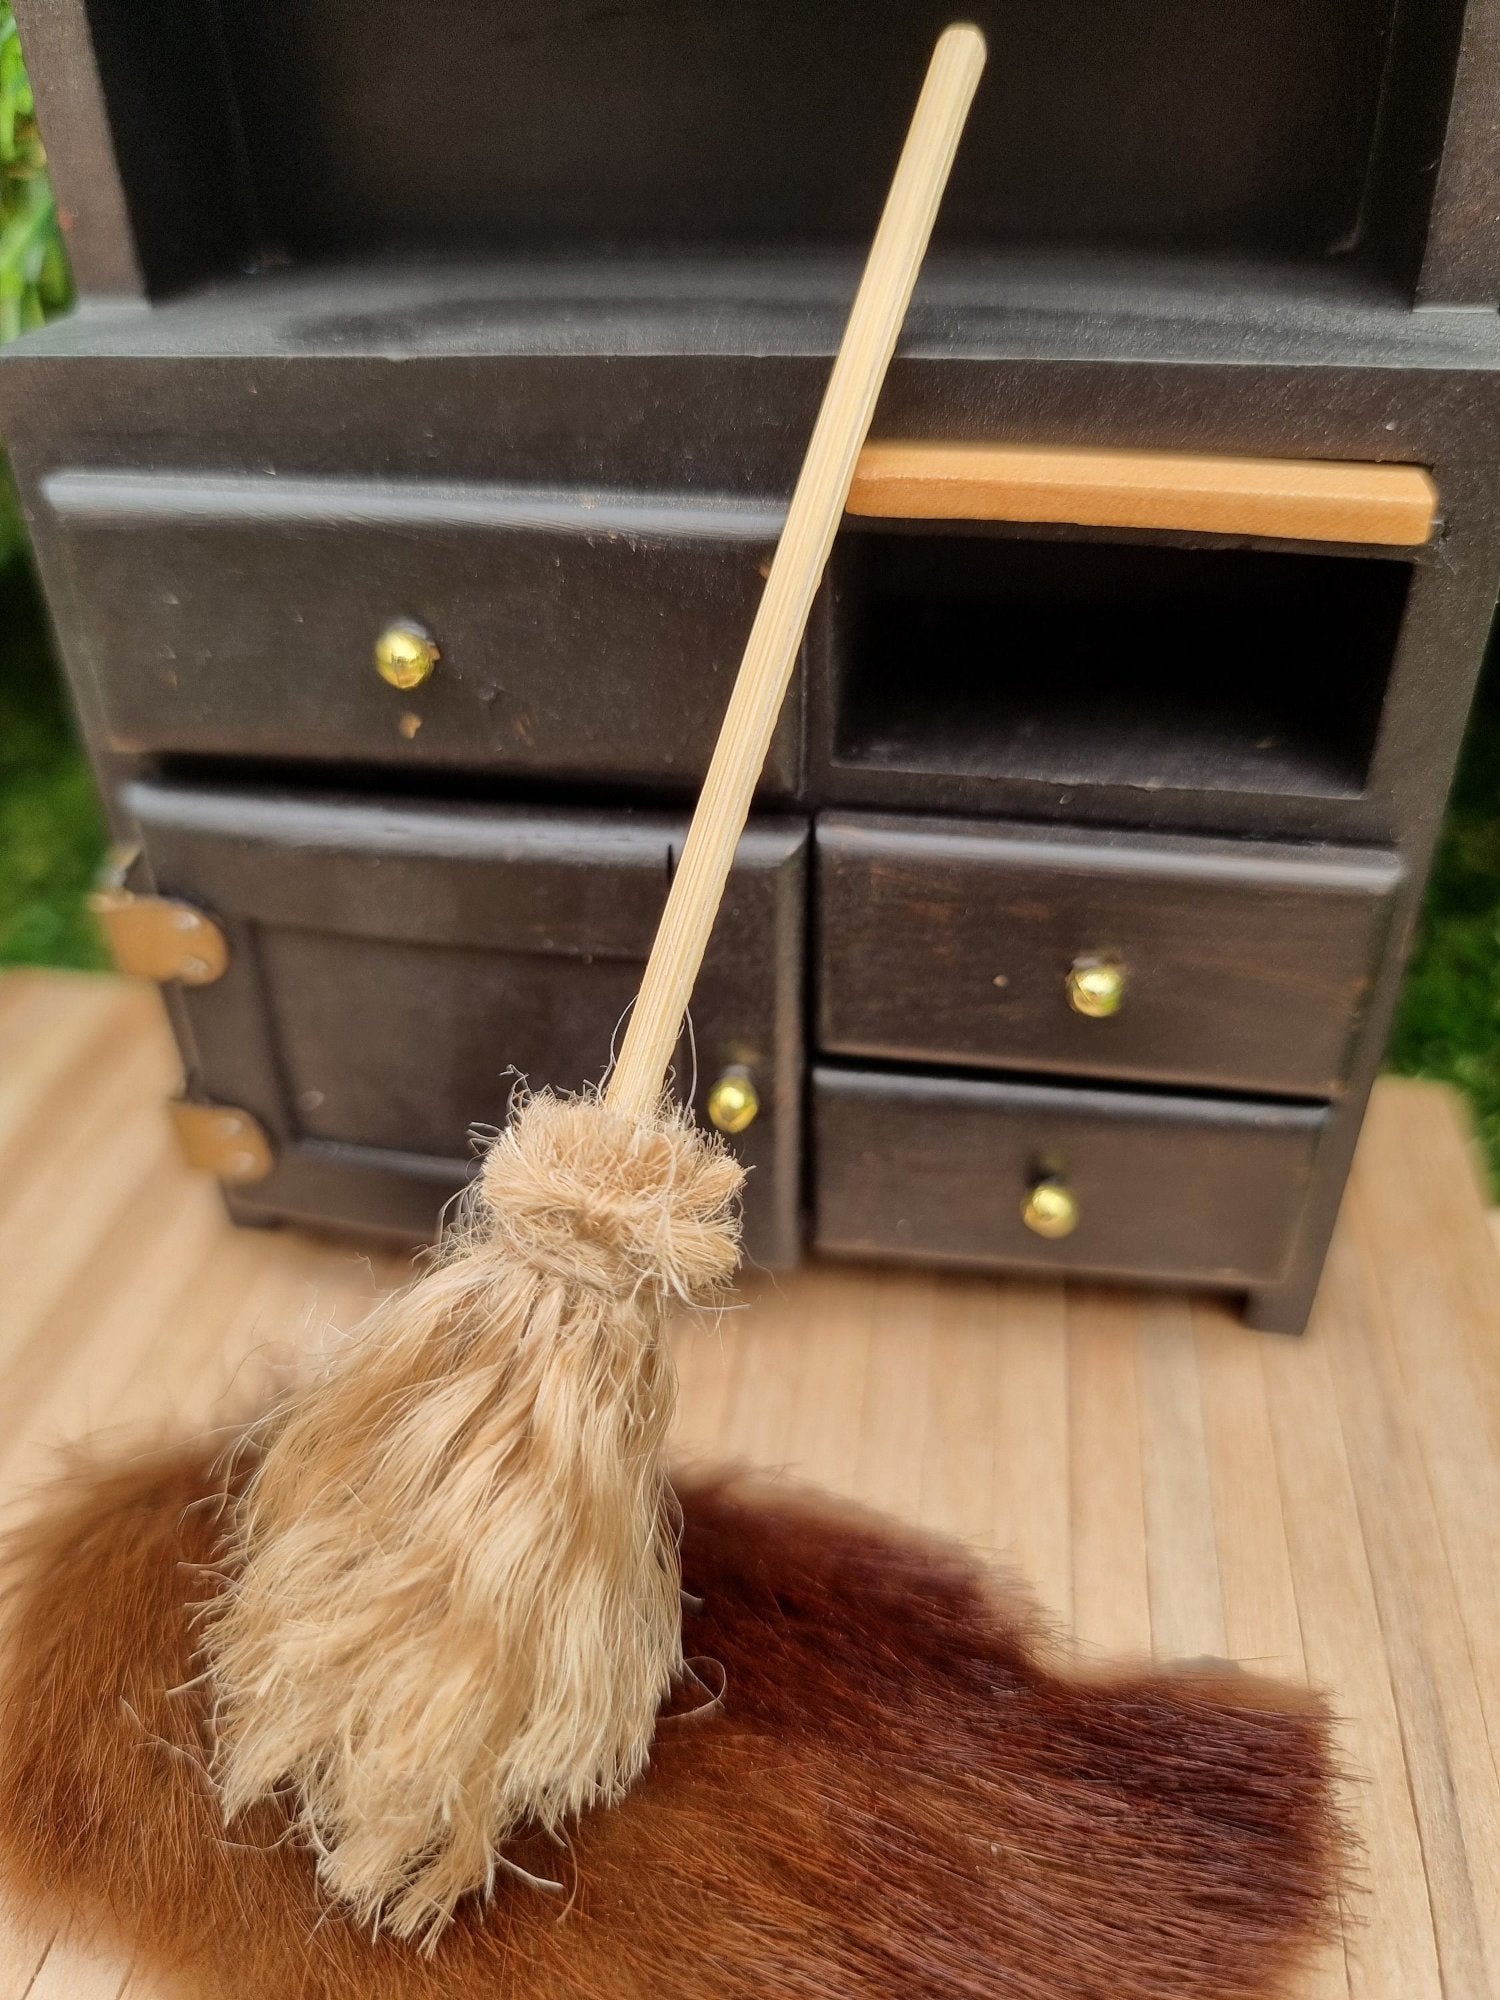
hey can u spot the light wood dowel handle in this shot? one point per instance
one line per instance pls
(797, 569)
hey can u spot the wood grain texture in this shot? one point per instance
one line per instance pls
(1321, 1509)
(1310, 500)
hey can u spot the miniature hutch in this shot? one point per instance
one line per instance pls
(403, 486)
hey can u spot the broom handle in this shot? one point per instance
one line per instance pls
(796, 570)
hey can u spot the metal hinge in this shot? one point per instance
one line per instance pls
(157, 937)
(222, 1139)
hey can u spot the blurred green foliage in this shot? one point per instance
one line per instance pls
(1449, 1023)
(52, 832)
(51, 826)
(33, 265)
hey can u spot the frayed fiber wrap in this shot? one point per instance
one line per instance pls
(454, 1604)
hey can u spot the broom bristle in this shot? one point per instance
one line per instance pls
(454, 1605)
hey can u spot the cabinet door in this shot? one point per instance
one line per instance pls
(396, 967)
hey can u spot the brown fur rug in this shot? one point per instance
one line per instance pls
(899, 1796)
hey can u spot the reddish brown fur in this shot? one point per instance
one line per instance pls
(899, 1796)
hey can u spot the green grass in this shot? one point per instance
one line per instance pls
(33, 265)
(52, 832)
(1449, 1022)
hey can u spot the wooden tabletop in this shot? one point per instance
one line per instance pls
(1327, 1508)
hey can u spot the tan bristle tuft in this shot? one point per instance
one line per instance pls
(456, 1607)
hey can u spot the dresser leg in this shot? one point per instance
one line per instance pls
(1282, 1308)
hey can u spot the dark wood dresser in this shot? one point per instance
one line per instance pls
(403, 486)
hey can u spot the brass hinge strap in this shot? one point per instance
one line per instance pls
(222, 1139)
(160, 938)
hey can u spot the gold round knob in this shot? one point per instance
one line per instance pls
(1096, 987)
(734, 1102)
(405, 654)
(1050, 1209)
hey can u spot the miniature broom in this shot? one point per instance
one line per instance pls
(453, 1608)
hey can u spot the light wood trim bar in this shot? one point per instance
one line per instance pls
(1315, 500)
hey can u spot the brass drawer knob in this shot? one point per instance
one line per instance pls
(405, 654)
(1096, 987)
(1050, 1209)
(734, 1102)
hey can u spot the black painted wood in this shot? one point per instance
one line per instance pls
(581, 635)
(1461, 261)
(1248, 964)
(395, 967)
(587, 418)
(144, 140)
(83, 162)
(509, 126)
(1187, 1189)
(965, 658)
(1318, 716)
(283, 128)
(543, 379)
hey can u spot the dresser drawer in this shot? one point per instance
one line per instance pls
(1236, 964)
(1165, 1187)
(392, 967)
(579, 636)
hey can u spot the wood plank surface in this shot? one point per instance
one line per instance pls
(1324, 1509)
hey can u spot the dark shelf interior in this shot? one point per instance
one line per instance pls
(1295, 135)
(1085, 663)
(1167, 122)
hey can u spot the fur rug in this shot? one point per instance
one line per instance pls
(899, 1796)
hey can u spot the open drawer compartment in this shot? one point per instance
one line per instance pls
(392, 967)
(974, 656)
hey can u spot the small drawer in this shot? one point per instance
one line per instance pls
(577, 635)
(1240, 965)
(944, 1169)
(393, 966)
